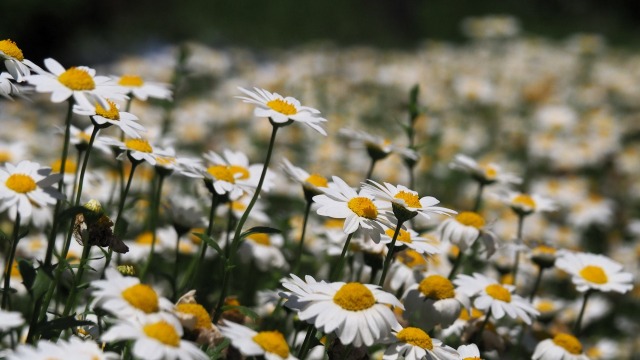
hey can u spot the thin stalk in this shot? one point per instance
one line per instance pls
(189, 278)
(154, 225)
(484, 324)
(334, 275)
(537, 283)
(371, 167)
(576, 327)
(392, 249)
(478, 203)
(456, 264)
(77, 173)
(516, 262)
(71, 299)
(298, 258)
(85, 161)
(9, 265)
(304, 349)
(59, 204)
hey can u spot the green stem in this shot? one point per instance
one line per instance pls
(456, 265)
(75, 176)
(537, 283)
(71, 299)
(337, 272)
(85, 161)
(484, 324)
(154, 226)
(392, 249)
(576, 327)
(56, 212)
(311, 332)
(298, 258)
(371, 167)
(516, 262)
(9, 265)
(478, 202)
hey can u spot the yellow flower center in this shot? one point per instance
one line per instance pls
(165, 161)
(130, 80)
(411, 258)
(163, 332)
(524, 200)
(77, 79)
(272, 342)
(141, 297)
(436, 287)
(363, 207)
(222, 173)
(543, 249)
(317, 180)
(569, 343)
(21, 183)
(470, 218)
(203, 320)
(282, 107)
(140, 145)
(490, 172)
(354, 297)
(260, 238)
(415, 337)
(236, 169)
(334, 223)
(112, 113)
(410, 199)
(498, 292)
(403, 236)
(5, 156)
(545, 306)
(10, 48)
(594, 274)
(145, 238)
(15, 271)
(69, 166)
(506, 279)
(475, 314)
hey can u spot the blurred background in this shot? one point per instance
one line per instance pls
(91, 32)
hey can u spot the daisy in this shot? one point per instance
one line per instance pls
(7, 88)
(359, 210)
(358, 313)
(155, 337)
(595, 272)
(26, 185)
(561, 347)
(10, 320)
(14, 60)
(465, 228)
(405, 270)
(86, 349)
(270, 344)
(76, 81)
(414, 344)
(377, 147)
(312, 184)
(142, 90)
(137, 149)
(264, 251)
(168, 162)
(246, 175)
(44, 350)
(409, 238)
(491, 296)
(13, 151)
(282, 110)
(404, 202)
(469, 352)
(126, 297)
(487, 173)
(105, 113)
(434, 301)
(524, 204)
(80, 139)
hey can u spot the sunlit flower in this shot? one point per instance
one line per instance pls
(359, 314)
(499, 299)
(595, 272)
(7, 88)
(424, 245)
(525, 204)
(14, 60)
(281, 110)
(465, 228)
(405, 270)
(264, 251)
(24, 186)
(76, 81)
(360, 210)
(270, 344)
(155, 337)
(108, 112)
(312, 184)
(142, 89)
(469, 352)
(414, 344)
(168, 162)
(246, 175)
(434, 301)
(560, 347)
(138, 149)
(485, 173)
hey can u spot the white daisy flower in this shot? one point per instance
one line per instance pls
(595, 272)
(270, 344)
(86, 349)
(245, 174)
(7, 88)
(312, 184)
(414, 344)
(14, 60)
(14, 151)
(24, 186)
(404, 202)
(465, 228)
(405, 270)
(76, 81)
(44, 350)
(281, 110)
(525, 204)
(169, 162)
(485, 173)
(360, 210)
(142, 90)
(126, 297)
(434, 301)
(106, 113)
(155, 337)
(494, 297)
(377, 147)
(409, 238)
(81, 137)
(359, 314)
(264, 251)
(469, 352)
(561, 347)
(10, 320)
(137, 149)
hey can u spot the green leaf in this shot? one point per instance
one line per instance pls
(27, 272)
(209, 241)
(244, 310)
(53, 328)
(41, 283)
(260, 230)
(216, 352)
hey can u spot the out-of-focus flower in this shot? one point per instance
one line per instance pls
(312, 184)
(106, 113)
(264, 251)
(10, 320)
(525, 204)
(434, 301)
(377, 147)
(465, 228)
(141, 89)
(485, 173)
(561, 347)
